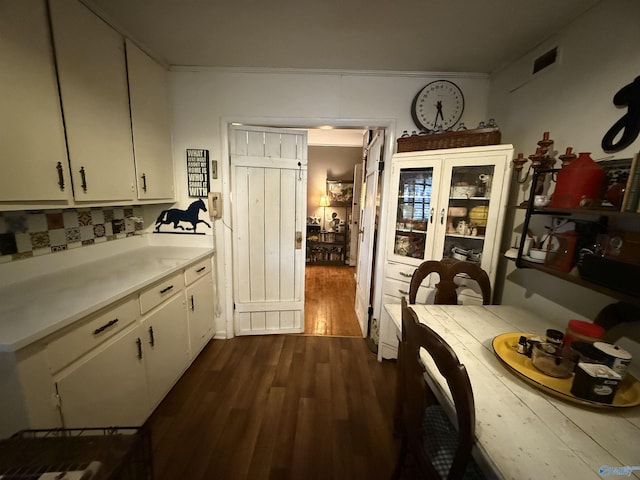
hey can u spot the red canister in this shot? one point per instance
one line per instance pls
(581, 331)
(580, 181)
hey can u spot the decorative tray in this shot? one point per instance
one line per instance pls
(505, 348)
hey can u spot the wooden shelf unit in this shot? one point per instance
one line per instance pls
(599, 216)
(326, 248)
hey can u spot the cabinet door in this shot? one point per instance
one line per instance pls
(413, 210)
(107, 389)
(95, 100)
(200, 307)
(471, 203)
(151, 122)
(32, 146)
(166, 346)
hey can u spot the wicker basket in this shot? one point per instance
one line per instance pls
(462, 138)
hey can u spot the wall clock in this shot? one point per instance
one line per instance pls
(437, 106)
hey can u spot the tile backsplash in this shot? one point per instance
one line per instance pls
(30, 233)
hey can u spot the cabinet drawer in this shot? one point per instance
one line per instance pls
(397, 289)
(197, 270)
(400, 271)
(156, 294)
(79, 340)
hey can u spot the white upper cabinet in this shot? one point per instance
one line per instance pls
(151, 121)
(95, 100)
(33, 155)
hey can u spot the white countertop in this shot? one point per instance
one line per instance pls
(35, 307)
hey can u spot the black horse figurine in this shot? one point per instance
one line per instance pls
(175, 216)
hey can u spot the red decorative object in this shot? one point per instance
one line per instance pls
(579, 184)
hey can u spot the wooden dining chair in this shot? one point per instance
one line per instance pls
(428, 437)
(447, 269)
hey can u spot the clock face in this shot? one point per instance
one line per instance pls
(437, 106)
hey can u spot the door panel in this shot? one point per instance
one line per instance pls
(367, 231)
(268, 181)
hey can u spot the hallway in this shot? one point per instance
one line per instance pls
(329, 304)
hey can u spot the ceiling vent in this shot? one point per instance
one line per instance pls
(545, 60)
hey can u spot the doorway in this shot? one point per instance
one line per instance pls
(225, 233)
(337, 219)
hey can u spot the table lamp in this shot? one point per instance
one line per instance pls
(324, 203)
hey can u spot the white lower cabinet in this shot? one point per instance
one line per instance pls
(109, 388)
(200, 306)
(115, 366)
(165, 347)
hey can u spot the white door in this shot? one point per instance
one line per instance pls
(268, 188)
(367, 230)
(356, 210)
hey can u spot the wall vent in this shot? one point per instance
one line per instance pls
(545, 60)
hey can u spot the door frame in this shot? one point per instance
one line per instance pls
(225, 264)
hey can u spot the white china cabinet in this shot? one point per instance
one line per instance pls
(442, 203)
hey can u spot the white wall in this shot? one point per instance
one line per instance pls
(205, 100)
(573, 100)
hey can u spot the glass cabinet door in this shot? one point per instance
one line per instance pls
(468, 207)
(413, 212)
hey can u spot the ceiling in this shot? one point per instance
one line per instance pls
(395, 35)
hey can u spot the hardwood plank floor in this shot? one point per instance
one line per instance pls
(329, 304)
(278, 407)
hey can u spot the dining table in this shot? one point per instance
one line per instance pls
(524, 431)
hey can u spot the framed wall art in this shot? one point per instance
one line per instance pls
(340, 193)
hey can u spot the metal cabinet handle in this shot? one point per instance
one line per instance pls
(431, 215)
(200, 269)
(193, 305)
(60, 176)
(83, 176)
(152, 340)
(404, 274)
(165, 290)
(139, 344)
(403, 292)
(442, 217)
(101, 329)
(144, 182)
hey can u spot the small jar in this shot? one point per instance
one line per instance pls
(555, 337)
(581, 331)
(522, 345)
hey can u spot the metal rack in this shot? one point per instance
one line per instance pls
(599, 216)
(122, 453)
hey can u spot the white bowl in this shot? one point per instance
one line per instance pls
(537, 253)
(465, 191)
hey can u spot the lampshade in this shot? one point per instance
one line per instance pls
(324, 201)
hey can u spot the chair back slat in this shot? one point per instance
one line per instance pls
(447, 269)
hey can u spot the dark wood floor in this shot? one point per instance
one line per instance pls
(329, 302)
(278, 407)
